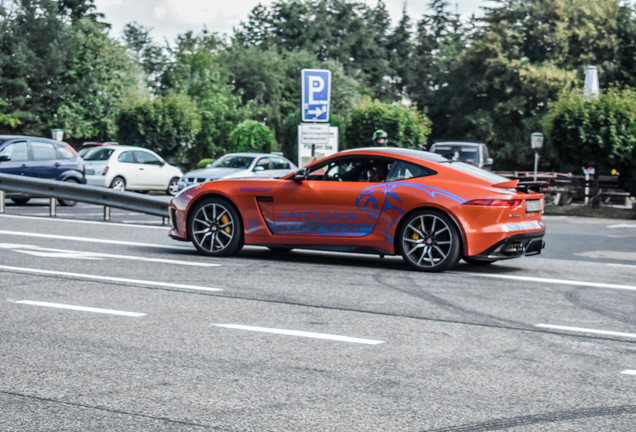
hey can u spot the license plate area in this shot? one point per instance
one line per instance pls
(533, 206)
(90, 172)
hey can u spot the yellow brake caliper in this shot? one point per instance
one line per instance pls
(226, 220)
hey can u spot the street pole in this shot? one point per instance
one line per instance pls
(536, 142)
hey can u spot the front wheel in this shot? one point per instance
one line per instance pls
(429, 241)
(215, 228)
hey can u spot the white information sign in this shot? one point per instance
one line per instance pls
(316, 141)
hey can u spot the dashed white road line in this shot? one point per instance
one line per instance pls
(81, 308)
(302, 334)
(107, 278)
(629, 372)
(95, 240)
(87, 222)
(586, 330)
(549, 280)
(74, 254)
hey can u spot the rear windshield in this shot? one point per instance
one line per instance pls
(101, 154)
(477, 172)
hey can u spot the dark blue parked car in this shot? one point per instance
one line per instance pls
(40, 157)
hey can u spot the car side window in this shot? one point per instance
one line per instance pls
(147, 158)
(405, 170)
(43, 151)
(17, 151)
(66, 152)
(278, 163)
(263, 162)
(353, 170)
(126, 157)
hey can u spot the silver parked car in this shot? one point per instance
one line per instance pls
(240, 165)
(473, 153)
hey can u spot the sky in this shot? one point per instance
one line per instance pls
(169, 18)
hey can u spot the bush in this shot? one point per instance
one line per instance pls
(252, 136)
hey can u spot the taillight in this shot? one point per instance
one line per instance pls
(511, 203)
(105, 171)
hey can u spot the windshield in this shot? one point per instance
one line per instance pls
(233, 161)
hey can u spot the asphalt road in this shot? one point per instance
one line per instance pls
(114, 326)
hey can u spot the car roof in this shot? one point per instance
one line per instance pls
(10, 137)
(464, 143)
(397, 151)
(254, 154)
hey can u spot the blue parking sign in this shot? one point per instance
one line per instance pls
(316, 89)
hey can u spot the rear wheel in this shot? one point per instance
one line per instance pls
(215, 228)
(173, 187)
(429, 241)
(20, 201)
(68, 202)
(118, 184)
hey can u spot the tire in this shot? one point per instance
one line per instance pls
(173, 187)
(428, 241)
(20, 201)
(215, 227)
(67, 202)
(118, 184)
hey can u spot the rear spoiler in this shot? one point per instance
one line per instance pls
(526, 186)
(533, 186)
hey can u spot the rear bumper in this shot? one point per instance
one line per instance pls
(514, 246)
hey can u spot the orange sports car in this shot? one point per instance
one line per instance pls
(384, 200)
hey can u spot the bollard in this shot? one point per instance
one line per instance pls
(1, 201)
(106, 213)
(53, 211)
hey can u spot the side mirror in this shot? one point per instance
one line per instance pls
(5, 158)
(300, 175)
(488, 162)
(259, 168)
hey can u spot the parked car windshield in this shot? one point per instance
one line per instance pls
(233, 161)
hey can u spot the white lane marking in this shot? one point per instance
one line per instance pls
(75, 221)
(623, 225)
(586, 330)
(106, 278)
(629, 372)
(81, 308)
(95, 240)
(64, 253)
(301, 334)
(549, 280)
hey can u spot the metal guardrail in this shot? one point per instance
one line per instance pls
(102, 196)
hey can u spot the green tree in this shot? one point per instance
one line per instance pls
(167, 124)
(198, 72)
(405, 126)
(600, 133)
(252, 136)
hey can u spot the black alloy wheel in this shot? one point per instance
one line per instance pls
(215, 227)
(428, 241)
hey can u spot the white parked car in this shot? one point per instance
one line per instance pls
(124, 167)
(240, 165)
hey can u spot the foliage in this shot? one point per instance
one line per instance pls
(168, 125)
(600, 133)
(8, 119)
(252, 136)
(405, 126)
(204, 162)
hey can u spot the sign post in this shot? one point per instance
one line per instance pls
(316, 138)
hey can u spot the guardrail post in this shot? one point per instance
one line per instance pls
(1, 201)
(53, 211)
(107, 213)
(166, 220)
